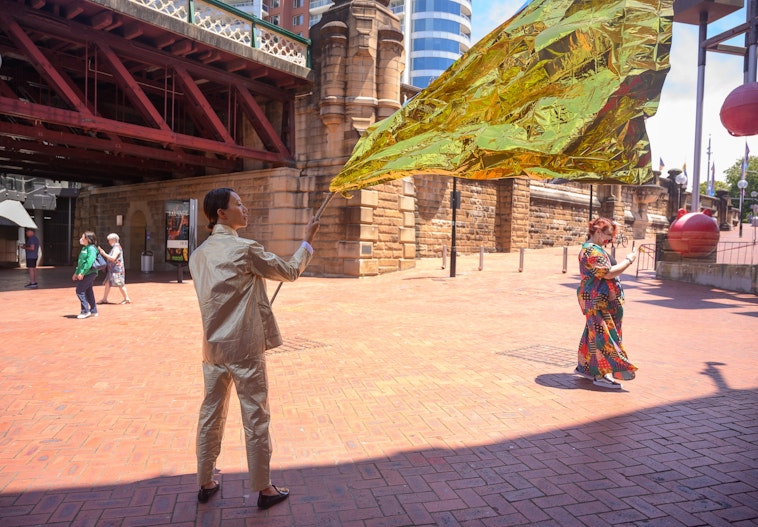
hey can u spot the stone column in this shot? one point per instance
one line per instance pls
(332, 80)
(357, 63)
(390, 66)
(513, 205)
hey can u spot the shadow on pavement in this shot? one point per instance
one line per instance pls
(689, 463)
(14, 279)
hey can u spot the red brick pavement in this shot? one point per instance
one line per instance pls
(406, 399)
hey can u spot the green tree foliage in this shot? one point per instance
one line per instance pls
(719, 185)
(734, 174)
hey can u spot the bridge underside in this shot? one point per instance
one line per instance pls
(91, 95)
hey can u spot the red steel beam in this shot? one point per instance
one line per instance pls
(32, 152)
(201, 108)
(177, 157)
(27, 110)
(42, 65)
(260, 122)
(145, 53)
(132, 89)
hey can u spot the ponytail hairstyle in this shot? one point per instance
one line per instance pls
(218, 198)
(91, 238)
(603, 225)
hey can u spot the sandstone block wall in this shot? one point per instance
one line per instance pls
(279, 203)
(475, 220)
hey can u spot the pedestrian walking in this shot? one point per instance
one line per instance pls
(116, 272)
(85, 275)
(31, 246)
(601, 356)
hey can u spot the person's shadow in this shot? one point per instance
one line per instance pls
(571, 381)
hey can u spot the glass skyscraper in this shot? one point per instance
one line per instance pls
(436, 33)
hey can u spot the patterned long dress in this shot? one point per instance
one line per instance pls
(116, 271)
(602, 301)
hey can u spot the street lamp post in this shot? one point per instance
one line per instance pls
(681, 180)
(742, 185)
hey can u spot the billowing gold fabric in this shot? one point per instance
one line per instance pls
(561, 90)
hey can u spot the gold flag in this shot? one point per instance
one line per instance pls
(561, 90)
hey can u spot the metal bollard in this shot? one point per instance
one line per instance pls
(565, 258)
(521, 259)
(444, 256)
(481, 258)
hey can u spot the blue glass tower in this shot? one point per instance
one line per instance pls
(436, 33)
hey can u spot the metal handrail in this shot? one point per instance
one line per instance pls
(238, 26)
(645, 258)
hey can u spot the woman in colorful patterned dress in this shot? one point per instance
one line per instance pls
(601, 356)
(116, 275)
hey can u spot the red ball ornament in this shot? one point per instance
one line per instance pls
(694, 234)
(739, 113)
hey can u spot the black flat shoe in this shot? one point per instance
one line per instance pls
(205, 494)
(264, 502)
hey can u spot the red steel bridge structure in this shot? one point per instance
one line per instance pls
(128, 91)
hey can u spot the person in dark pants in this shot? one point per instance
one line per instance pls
(85, 275)
(32, 255)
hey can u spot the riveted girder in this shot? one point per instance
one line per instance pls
(92, 94)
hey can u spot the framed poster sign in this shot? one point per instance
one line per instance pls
(178, 219)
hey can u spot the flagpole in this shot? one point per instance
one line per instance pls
(316, 216)
(710, 183)
(454, 204)
(703, 34)
(742, 183)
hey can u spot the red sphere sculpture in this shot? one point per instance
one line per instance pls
(694, 234)
(739, 113)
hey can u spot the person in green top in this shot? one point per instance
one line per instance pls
(85, 275)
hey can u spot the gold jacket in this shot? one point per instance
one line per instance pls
(230, 275)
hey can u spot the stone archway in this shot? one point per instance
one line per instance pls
(136, 237)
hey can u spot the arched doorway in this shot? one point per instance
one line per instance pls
(137, 229)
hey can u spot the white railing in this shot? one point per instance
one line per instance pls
(226, 21)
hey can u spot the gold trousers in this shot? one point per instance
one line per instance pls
(249, 377)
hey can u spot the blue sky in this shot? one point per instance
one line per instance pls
(672, 129)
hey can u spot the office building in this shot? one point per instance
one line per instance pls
(436, 32)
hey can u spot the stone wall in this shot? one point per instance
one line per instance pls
(741, 278)
(380, 229)
(357, 59)
(475, 220)
(558, 215)
(279, 203)
(506, 215)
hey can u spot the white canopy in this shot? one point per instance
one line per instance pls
(14, 211)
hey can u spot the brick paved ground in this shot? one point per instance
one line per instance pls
(405, 399)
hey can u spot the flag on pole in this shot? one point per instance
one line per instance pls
(561, 90)
(745, 161)
(661, 165)
(712, 181)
